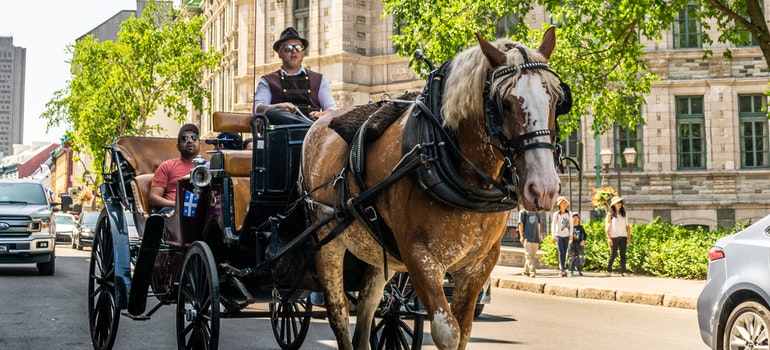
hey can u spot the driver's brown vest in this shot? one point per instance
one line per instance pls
(301, 90)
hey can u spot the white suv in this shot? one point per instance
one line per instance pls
(26, 235)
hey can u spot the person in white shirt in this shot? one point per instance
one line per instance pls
(293, 94)
(561, 230)
(618, 232)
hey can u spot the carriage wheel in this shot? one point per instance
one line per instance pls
(398, 323)
(197, 310)
(103, 312)
(290, 321)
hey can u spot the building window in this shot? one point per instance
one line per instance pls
(625, 138)
(301, 17)
(753, 131)
(687, 28)
(691, 133)
(570, 144)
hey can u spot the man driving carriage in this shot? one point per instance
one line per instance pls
(293, 94)
(162, 195)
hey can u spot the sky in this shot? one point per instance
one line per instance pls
(45, 28)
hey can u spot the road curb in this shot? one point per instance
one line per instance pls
(632, 297)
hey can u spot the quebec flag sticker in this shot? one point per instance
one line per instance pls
(190, 203)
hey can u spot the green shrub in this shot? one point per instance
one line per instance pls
(658, 249)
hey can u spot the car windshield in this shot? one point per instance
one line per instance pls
(22, 193)
(89, 218)
(65, 220)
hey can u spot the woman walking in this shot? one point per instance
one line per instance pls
(561, 230)
(618, 232)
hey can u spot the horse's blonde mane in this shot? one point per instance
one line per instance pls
(465, 85)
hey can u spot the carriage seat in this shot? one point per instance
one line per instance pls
(237, 164)
(144, 155)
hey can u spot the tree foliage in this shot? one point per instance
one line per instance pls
(117, 85)
(599, 51)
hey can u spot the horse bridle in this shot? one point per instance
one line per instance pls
(493, 112)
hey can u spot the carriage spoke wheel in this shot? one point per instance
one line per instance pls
(398, 323)
(103, 313)
(290, 321)
(197, 310)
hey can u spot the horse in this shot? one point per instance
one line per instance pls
(502, 82)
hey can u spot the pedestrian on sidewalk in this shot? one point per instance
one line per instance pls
(529, 236)
(561, 231)
(577, 256)
(618, 232)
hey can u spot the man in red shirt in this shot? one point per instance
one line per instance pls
(163, 188)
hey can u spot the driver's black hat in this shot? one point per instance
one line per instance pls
(288, 33)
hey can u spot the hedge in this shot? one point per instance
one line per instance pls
(657, 249)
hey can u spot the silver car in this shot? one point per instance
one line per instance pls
(733, 308)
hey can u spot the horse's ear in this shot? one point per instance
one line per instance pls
(549, 42)
(495, 57)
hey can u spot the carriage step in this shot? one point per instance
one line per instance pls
(141, 317)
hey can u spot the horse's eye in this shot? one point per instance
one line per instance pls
(507, 106)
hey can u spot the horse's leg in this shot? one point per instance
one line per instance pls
(329, 269)
(427, 276)
(468, 284)
(369, 298)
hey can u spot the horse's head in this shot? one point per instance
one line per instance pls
(519, 106)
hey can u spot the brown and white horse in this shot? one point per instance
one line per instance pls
(434, 238)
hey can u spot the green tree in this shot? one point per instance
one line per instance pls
(116, 86)
(598, 48)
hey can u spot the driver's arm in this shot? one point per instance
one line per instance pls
(157, 200)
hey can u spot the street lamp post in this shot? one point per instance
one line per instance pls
(629, 154)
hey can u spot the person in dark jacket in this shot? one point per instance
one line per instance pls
(577, 256)
(529, 233)
(293, 94)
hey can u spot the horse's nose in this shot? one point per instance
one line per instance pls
(539, 195)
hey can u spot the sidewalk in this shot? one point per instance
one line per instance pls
(659, 291)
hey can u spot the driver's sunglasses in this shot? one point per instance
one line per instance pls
(289, 47)
(186, 138)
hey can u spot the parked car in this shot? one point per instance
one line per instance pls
(733, 310)
(26, 218)
(84, 235)
(86, 225)
(64, 226)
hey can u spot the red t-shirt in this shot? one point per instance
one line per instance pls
(168, 173)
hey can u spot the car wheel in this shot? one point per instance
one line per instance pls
(47, 268)
(479, 309)
(747, 327)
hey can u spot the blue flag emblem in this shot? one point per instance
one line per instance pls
(190, 203)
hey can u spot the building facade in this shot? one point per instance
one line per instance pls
(702, 154)
(12, 76)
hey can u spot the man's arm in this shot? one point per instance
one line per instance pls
(262, 97)
(157, 200)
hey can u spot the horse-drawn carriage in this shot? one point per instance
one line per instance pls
(424, 190)
(229, 243)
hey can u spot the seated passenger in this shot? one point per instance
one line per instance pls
(163, 189)
(293, 94)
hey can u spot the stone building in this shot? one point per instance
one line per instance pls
(702, 154)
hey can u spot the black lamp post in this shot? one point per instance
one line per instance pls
(629, 154)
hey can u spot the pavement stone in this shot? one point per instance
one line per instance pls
(667, 292)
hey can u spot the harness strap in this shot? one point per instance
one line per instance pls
(502, 188)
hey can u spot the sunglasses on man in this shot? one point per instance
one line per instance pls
(186, 138)
(289, 47)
